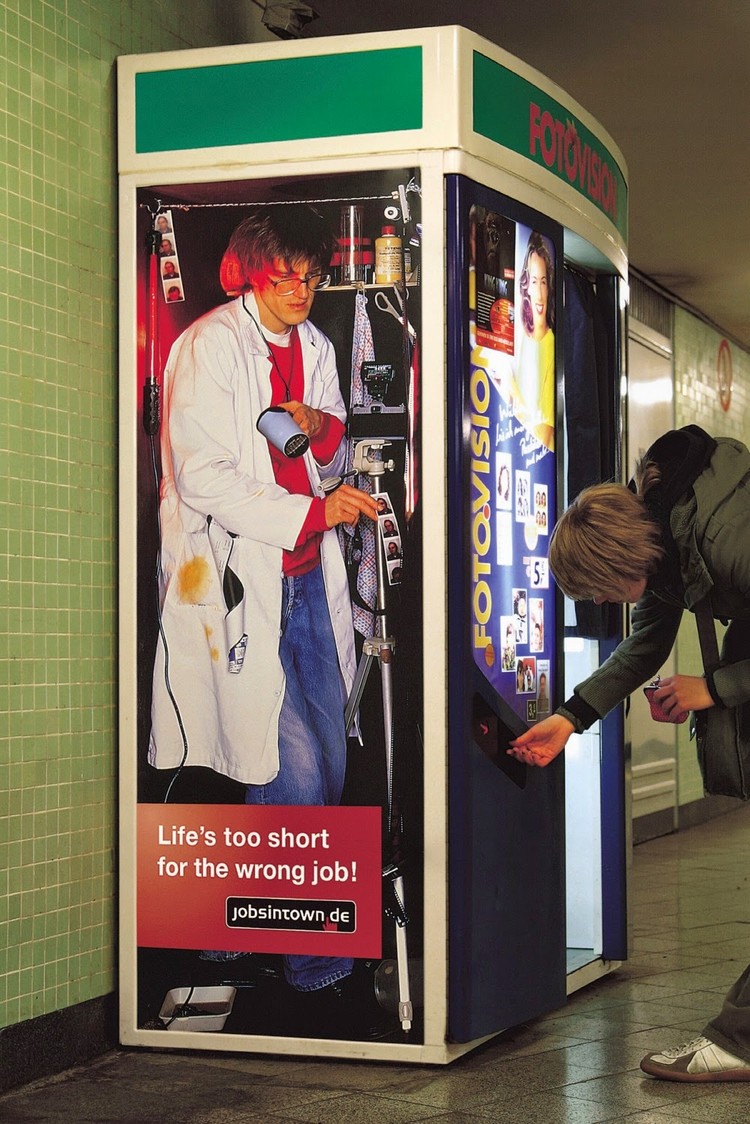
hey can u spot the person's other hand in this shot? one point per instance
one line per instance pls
(678, 693)
(308, 419)
(346, 504)
(542, 743)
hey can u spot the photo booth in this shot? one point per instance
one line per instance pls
(475, 207)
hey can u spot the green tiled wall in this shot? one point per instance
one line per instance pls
(58, 400)
(697, 402)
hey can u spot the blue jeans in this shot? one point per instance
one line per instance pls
(312, 737)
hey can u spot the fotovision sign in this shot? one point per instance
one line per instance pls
(511, 111)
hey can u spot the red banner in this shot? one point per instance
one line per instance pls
(260, 878)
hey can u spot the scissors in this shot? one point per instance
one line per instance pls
(382, 302)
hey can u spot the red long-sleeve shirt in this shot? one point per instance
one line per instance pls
(287, 384)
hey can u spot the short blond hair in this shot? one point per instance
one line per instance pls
(606, 536)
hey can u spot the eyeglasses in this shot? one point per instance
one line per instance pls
(288, 285)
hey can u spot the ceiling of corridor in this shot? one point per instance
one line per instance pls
(669, 81)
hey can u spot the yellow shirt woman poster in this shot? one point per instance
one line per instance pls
(533, 390)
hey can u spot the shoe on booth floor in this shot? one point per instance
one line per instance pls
(698, 1060)
(345, 1009)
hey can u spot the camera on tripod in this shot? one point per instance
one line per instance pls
(378, 419)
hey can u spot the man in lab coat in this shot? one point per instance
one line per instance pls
(257, 643)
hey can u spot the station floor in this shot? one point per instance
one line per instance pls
(691, 939)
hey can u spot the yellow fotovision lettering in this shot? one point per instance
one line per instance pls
(481, 526)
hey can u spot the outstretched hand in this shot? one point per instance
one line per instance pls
(542, 743)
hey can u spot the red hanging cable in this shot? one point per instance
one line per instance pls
(151, 409)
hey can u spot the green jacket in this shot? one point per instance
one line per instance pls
(711, 528)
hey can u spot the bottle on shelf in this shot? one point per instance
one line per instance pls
(388, 257)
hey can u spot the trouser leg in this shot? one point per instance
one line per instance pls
(731, 1027)
(312, 739)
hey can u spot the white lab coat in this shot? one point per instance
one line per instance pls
(216, 464)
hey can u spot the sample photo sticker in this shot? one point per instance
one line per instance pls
(526, 675)
(523, 496)
(504, 469)
(504, 537)
(536, 626)
(520, 616)
(508, 640)
(542, 687)
(540, 509)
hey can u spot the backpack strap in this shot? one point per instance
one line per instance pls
(707, 635)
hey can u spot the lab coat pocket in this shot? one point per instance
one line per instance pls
(222, 545)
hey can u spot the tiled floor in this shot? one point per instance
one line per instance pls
(691, 938)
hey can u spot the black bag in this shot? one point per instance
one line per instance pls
(722, 733)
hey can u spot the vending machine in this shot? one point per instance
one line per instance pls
(351, 408)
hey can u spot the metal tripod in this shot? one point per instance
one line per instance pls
(368, 460)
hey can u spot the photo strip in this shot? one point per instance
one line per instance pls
(169, 262)
(390, 536)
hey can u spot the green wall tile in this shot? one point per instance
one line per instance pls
(58, 381)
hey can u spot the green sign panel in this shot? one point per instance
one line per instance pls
(279, 100)
(518, 115)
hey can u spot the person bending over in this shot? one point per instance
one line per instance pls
(680, 531)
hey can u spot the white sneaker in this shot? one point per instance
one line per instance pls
(699, 1060)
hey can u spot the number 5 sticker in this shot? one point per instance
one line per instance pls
(539, 573)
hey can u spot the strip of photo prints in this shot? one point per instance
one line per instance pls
(390, 536)
(169, 262)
